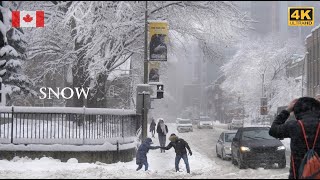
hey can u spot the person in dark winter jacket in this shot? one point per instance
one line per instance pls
(141, 157)
(180, 147)
(153, 127)
(307, 110)
(162, 131)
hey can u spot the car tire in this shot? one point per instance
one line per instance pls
(217, 152)
(233, 160)
(282, 164)
(241, 164)
(223, 155)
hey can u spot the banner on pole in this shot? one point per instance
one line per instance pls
(154, 69)
(158, 39)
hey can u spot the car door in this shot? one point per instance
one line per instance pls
(236, 145)
(219, 144)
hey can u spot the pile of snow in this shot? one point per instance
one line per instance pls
(161, 165)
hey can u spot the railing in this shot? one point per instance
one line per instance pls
(65, 125)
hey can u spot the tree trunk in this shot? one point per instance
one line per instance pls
(99, 98)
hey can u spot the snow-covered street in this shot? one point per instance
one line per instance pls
(203, 164)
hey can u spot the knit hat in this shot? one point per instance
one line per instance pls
(173, 137)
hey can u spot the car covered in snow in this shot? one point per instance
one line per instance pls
(205, 122)
(254, 147)
(184, 125)
(236, 124)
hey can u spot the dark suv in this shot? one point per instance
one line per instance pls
(254, 147)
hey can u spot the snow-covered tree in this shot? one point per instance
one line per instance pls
(13, 52)
(105, 34)
(260, 58)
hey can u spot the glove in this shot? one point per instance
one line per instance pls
(190, 153)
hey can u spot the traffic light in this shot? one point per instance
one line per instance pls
(160, 90)
(264, 110)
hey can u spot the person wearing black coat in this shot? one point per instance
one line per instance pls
(307, 110)
(153, 127)
(141, 156)
(180, 146)
(162, 131)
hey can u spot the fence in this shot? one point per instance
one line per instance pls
(65, 125)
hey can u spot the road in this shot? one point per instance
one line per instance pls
(204, 141)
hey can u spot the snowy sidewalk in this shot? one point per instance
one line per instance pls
(161, 165)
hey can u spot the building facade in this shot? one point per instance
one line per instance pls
(313, 62)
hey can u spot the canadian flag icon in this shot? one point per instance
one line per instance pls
(27, 19)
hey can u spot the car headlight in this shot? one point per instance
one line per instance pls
(227, 148)
(244, 149)
(280, 148)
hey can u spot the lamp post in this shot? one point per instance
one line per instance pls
(144, 132)
(145, 77)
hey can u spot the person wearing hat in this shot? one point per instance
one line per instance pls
(162, 130)
(180, 146)
(141, 157)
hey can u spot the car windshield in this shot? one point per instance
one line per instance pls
(184, 122)
(256, 134)
(229, 137)
(205, 119)
(237, 121)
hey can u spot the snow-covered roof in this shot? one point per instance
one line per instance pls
(308, 36)
(317, 27)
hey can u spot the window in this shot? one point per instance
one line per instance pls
(229, 137)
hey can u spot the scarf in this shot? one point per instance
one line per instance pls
(163, 128)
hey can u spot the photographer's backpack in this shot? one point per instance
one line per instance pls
(310, 164)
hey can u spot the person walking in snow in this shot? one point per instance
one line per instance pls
(180, 146)
(153, 127)
(141, 156)
(162, 131)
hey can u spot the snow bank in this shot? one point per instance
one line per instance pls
(71, 141)
(58, 147)
(74, 110)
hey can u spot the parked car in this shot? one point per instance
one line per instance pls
(223, 146)
(184, 125)
(235, 124)
(205, 122)
(253, 146)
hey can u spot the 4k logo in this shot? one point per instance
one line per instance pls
(300, 16)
